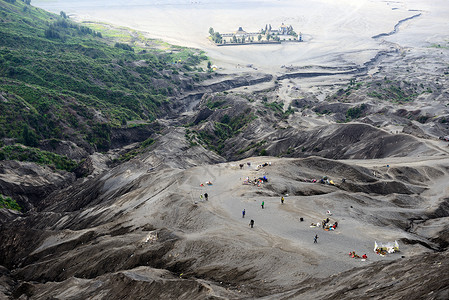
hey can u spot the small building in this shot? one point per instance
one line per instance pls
(240, 32)
(285, 30)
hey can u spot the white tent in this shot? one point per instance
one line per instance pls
(387, 247)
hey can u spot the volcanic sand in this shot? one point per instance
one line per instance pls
(336, 33)
(278, 233)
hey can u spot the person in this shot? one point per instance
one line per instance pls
(243, 213)
(336, 224)
(282, 200)
(315, 239)
(251, 223)
(263, 203)
(364, 256)
(206, 196)
(241, 166)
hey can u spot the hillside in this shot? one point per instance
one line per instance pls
(108, 148)
(62, 81)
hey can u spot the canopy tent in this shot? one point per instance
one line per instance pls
(386, 247)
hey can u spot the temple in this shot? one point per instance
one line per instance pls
(267, 35)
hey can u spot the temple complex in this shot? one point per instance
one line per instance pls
(267, 35)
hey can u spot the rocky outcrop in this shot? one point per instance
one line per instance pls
(121, 137)
(29, 183)
(64, 148)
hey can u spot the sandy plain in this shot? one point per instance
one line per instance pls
(336, 33)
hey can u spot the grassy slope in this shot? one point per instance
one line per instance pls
(61, 80)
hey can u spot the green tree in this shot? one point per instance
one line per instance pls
(124, 46)
(217, 37)
(259, 37)
(211, 31)
(29, 138)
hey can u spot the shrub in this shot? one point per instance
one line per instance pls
(9, 203)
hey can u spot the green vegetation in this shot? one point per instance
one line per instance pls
(59, 79)
(263, 152)
(7, 202)
(278, 108)
(440, 46)
(215, 36)
(22, 153)
(133, 153)
(388, 90)
(355, 112)
(252, 145)
(215, 104)
(422, 119)
(124, 47)
(226, 128)
(392, 91)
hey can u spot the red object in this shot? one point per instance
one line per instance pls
(364, 256)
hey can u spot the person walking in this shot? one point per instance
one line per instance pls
(263, 203)
(243, 213)
(315, 239)
(251, 223)
(282, 200)
(206, 196)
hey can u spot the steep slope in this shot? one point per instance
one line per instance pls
(60, 80)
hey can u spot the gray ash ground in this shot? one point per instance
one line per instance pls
(139, 229)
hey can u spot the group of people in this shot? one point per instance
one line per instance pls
(327, 226)
(353, 255)
(251, 223)
(206, 196)
(256, 181)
